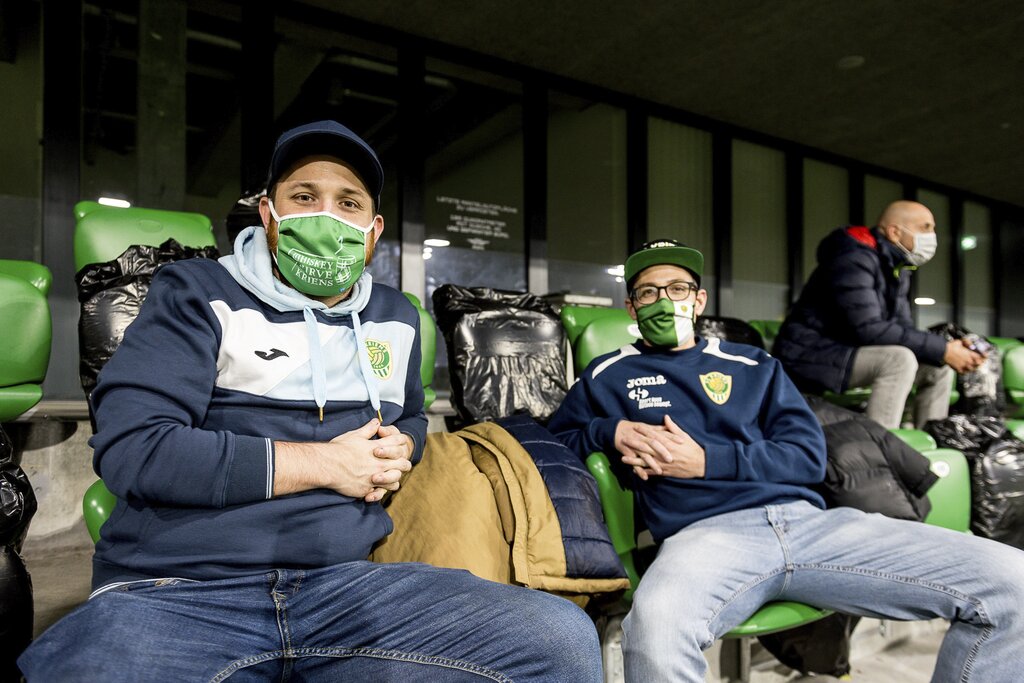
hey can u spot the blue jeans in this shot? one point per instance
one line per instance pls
(713, 574)
(358, 621)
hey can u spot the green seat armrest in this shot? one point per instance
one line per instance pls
(97, 504)
(617, 505)
(428, 350)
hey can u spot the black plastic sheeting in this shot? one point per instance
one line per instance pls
(17, 506)
(244, 212)
(506, 352)
(729, 329)
(997, 473)
(111, 295)
(981, 391)
(17, 500)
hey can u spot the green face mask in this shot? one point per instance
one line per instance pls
(319, 254)
(666, 323)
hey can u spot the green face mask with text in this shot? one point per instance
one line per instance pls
(666, 323)
(319, 254)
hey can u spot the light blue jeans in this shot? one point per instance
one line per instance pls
(713, 574)
(358, 621)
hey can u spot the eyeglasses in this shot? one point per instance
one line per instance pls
(676, 291)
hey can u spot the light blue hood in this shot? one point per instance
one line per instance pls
(251, 266)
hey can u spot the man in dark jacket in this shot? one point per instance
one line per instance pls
(852, 325)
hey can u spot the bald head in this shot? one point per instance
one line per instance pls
(903, 219)
(903, 212)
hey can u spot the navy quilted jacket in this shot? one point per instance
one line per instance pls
(857, 296)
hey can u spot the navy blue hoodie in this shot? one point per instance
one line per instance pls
(762, 443)
(208, 376)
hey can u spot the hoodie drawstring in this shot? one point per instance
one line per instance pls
(316, 363)
(316, 360)
(369, 379)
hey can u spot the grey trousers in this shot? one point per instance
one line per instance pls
(891, 372)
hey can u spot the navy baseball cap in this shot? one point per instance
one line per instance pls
(664, 252)
(334, 139)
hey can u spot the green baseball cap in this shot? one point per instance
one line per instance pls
(664, 252)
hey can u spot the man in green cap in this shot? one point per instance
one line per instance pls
(721, 451)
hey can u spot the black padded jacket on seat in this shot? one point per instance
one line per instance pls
(857, 296)
(869, 467)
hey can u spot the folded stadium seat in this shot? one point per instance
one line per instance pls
(597, 331)
(25, 317)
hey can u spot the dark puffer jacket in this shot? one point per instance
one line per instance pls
(857, 296)
(869, 467)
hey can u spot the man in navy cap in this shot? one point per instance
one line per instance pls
(257, 411)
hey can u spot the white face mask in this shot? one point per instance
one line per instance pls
(925, 244)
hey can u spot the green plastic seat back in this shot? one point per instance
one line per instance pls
(611, 330)
(36, 274)
(1013, 374)
(1004, 344)
(25, 317)
(102, 233)
(428, 349)
(950, 496)
(768, 329)
(917, 439)
(1016, 427)
(576, 318)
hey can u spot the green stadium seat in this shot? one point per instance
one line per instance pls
(950, 496)
(428, 349)
(768, 329)
(1013, 381)
(1016, 427)
(25, 317)
(102, 233)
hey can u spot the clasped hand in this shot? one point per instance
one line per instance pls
(660, 450)
(361, 466)
(961, 357)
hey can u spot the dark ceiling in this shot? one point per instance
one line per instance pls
(938, 93)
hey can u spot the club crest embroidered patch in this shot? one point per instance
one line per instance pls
(380, 357)
(717, 386)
